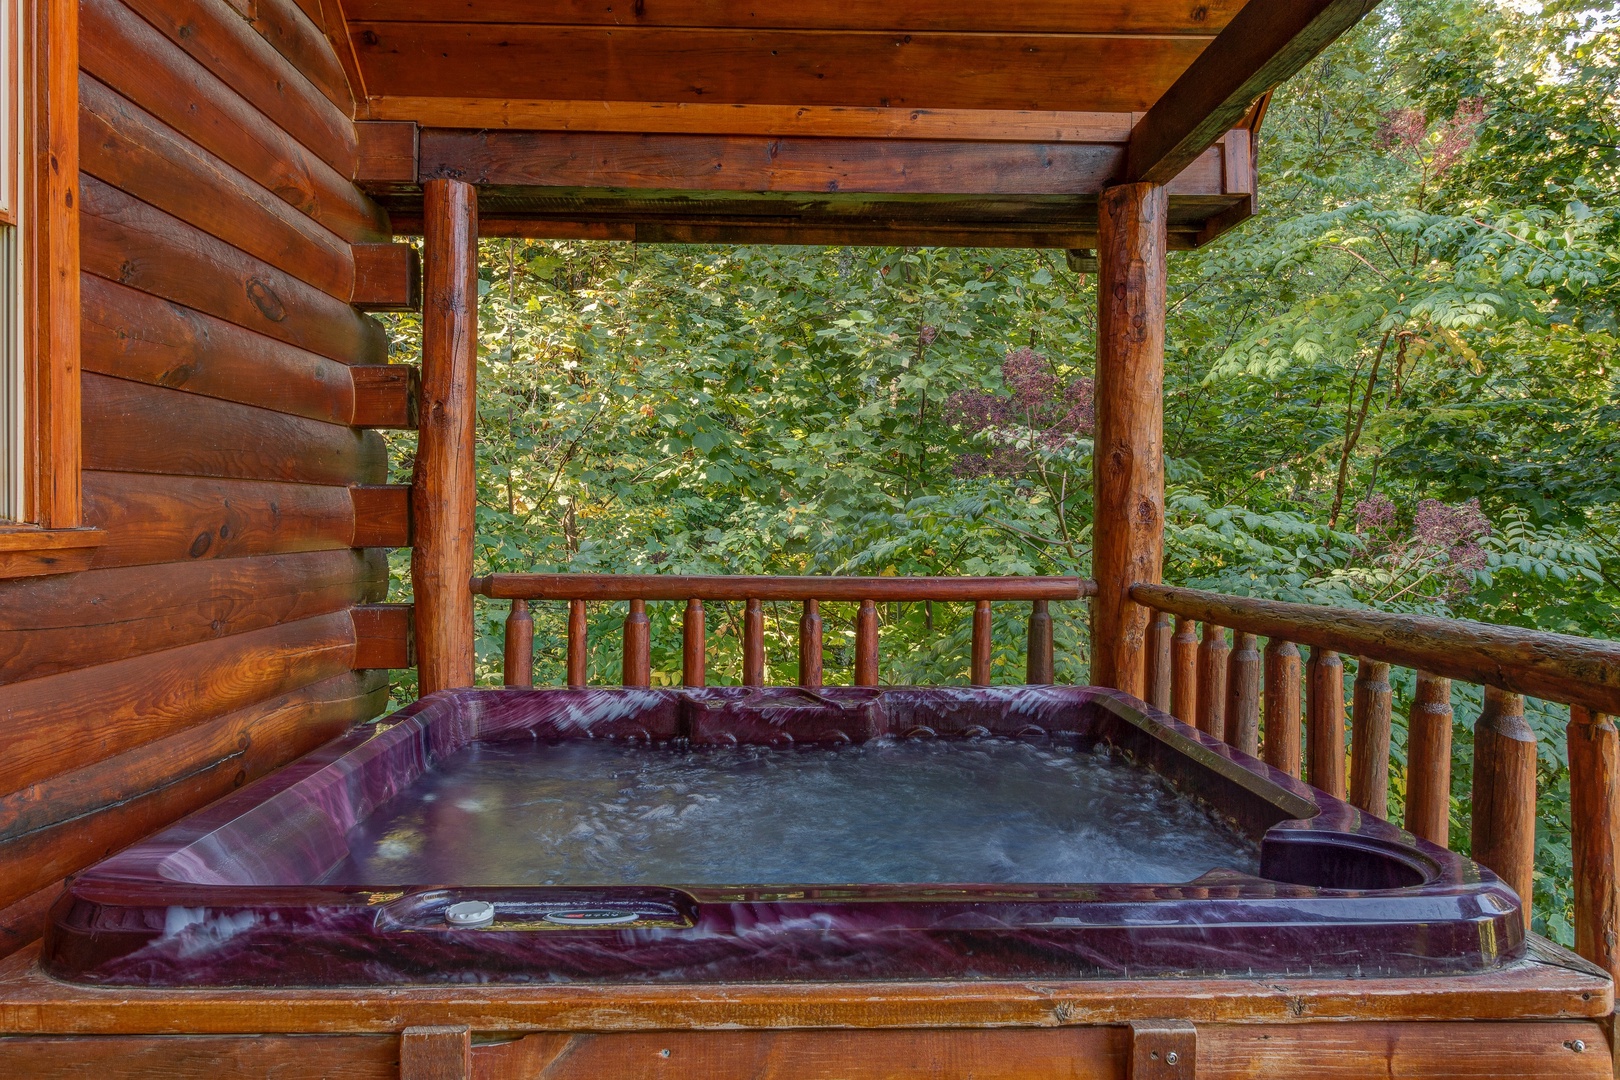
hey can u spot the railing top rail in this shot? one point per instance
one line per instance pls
(1555, 667)
(767, 587)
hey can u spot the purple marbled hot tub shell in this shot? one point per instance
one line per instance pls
(230, 896)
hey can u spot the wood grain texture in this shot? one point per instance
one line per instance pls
(387, 153)
(49, 626)
(1243, 680)
(384, 638)
(217, 37)
(133, 58)
(351, 1057)
(134, 243)
(1038, 659)
(1184, 672)
(61, 824)
(694, 645)
(1555, 667)
(444, 484)
(382, 516)
(1504, 793)
(753, 642)
(80, 717)
(23, 922)
(1552, 985)
(28, 551)
(1156, 660)
(517, 653)
(866, 644)
(637, 666)
(138, 428)
(1428, 760)
(298, 35)
(979, 667)
(127, 148)
(135, 335)
(386, 396)
(387, 277)
(1594, 817)
(578, 658)
(1371, 714)
(810, 638)
(1324, 724)
(1282, 697)
(439, 1052)
(150, 518)
(928, 70)
(1213, 652)
(1129, 457)
(776, 587)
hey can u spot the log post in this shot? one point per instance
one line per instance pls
(1594, 769)
(981, 643)
(866, 644)
(637, 646)
(1243, 694)
(444, 485)
(694, 645)
(810, 645)
(1324, 746)
(1282, 706)
(1038, 650)
(1184, 671)
(1504, 819)
(1369, 737)
(1428, 760)
(1212, 654)
(578, 674)
(518, 661)
(1128, 461)
(753, 644)
(1157, 662)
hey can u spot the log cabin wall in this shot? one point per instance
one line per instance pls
(226, 373)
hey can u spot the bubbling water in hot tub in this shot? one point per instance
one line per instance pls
(599, 813)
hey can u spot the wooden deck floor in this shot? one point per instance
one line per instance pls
(1546, 1017)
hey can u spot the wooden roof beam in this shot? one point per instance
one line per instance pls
(1266, 43)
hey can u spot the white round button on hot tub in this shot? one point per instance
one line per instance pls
(470, 913)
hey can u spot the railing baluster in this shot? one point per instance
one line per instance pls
(1324, 746)
(753, 644)
(1243, 694)
(637, 646)
(1594, 769)
(1282, 743)
(1038, 652)
(694, 645)
(1184, 671)
(1212, 654)
(810, 645)
(518, 661)
(1369, 738)
(1159, 630)
(578, 673)
(1504, 795)
(866, 644)
(981, 643)
(1428, 760)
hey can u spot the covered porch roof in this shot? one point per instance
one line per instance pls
(823, 121)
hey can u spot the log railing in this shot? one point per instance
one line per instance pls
(1256, 706)
(867, 592)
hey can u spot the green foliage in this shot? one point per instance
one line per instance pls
(1397, 387)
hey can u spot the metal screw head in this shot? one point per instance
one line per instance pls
(1579, 1046)
(1171, 1058)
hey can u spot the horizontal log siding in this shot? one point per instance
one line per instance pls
(212, 642)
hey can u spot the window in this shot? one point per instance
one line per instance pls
(13, 414)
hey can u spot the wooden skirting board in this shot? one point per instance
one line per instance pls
(1548, 1016)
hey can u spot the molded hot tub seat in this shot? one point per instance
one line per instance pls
(233, 895)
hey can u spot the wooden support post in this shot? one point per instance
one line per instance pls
(1369, 738)
(1504, 796)
(435, 1053)
(753, 643)
(1243, 694)
(694, 645)
(1038, 651)
(1157, 662)
(866, 644)
(1283, 678)
(578, 670)
(1428, 760)
(1184, 671)
(1129, 457)
(1212, 654)
(810, 645)
(637, 646)
(1324, 747)
(981, 643)
(1594, 770)
(444, 486)
(518, 663)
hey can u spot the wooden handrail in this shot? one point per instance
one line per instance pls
(765, 587)
(1555, 667)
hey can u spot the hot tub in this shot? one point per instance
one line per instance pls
(734, 834)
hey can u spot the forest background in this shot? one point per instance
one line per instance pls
(1397, 387)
